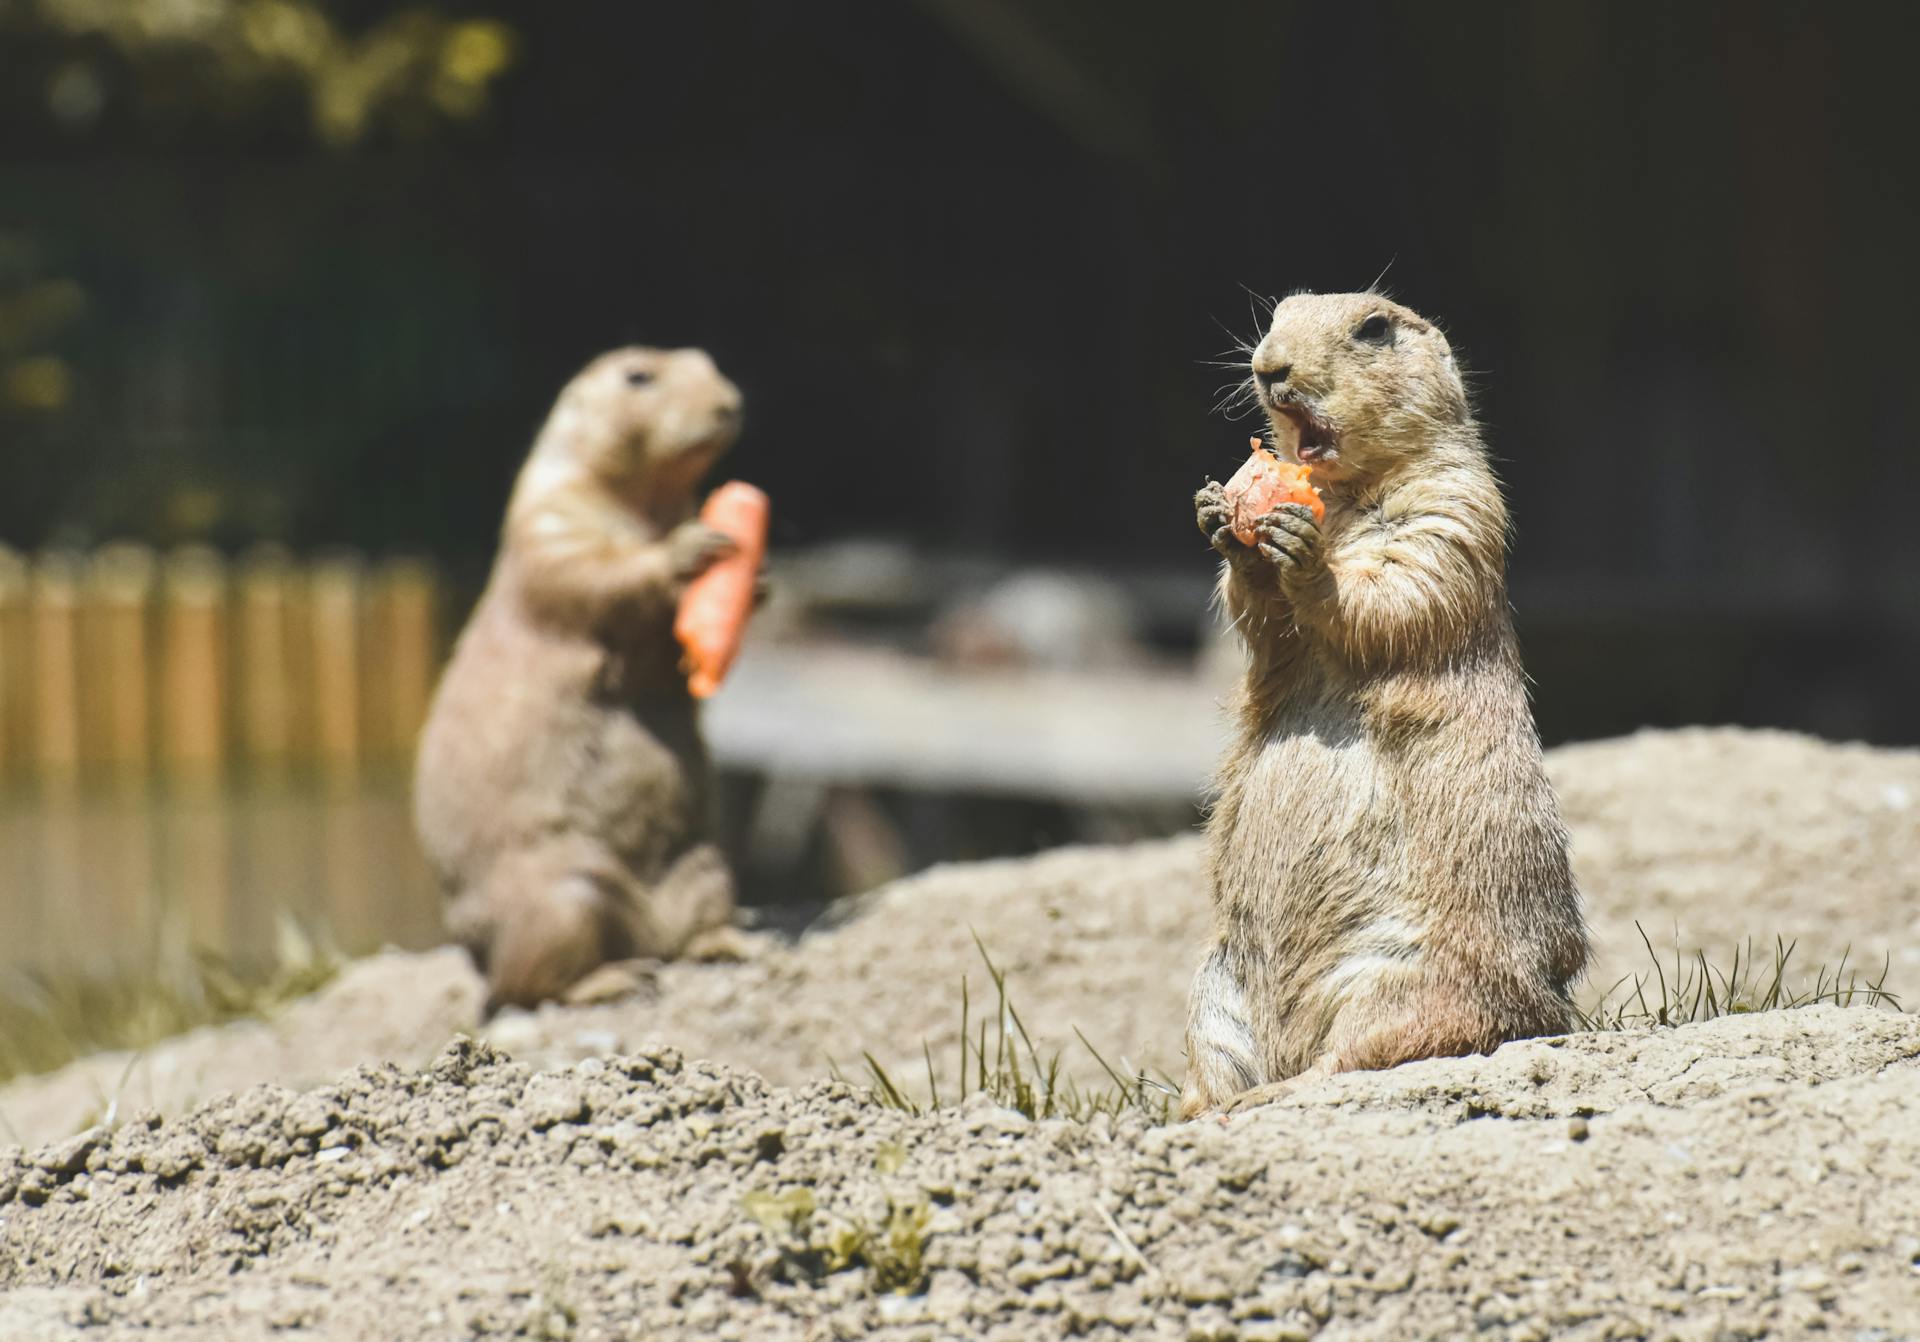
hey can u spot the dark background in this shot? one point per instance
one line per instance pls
(968, 259)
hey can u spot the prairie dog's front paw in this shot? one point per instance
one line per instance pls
(1289, 539)
(1215, 516)
(695, 547)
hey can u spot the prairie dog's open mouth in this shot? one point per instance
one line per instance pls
(1303, 435)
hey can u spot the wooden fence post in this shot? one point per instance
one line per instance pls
(56, 668)
(116, 686)
(193, 665)
(267, 681)
(337, 647)
(168, 674)
(406, 644)
(15, 666)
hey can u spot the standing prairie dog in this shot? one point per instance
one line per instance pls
(562, 787)
(1388, 865)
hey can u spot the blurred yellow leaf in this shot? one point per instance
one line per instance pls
(42, 384)
(192, 510)
(414, 63)
(280, 30)
(476, 50)
(38, 311)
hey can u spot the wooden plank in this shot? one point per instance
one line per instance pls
(336, 586)
(15, 666)
(266, 685)
(193, 727)
(117, 685)
(406, 643)
(865, 716)
(56, 668)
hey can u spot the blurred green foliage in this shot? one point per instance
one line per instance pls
(409, 71)
(107, 82)
(35, 308)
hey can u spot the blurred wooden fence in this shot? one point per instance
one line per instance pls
(124, 664)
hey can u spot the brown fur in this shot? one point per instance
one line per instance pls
(1389, 868)
(562, 786)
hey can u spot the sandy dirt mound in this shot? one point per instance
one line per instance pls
(1709, 836)
(1746, 1177)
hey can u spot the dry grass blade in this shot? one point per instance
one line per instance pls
(1700, 990)
(1006, 1064)
(47, 1021)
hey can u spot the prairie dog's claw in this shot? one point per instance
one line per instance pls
(696, 547)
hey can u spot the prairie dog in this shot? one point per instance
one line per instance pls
(562, 787)
(1389, 869)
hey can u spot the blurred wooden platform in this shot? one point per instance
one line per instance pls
(842, 714)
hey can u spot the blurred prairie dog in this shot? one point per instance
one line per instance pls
(562, 787)
(1389, 869)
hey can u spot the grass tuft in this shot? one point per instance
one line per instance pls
(1693, 988)
(999, 1059)
(46, 1021)
(811, 1246)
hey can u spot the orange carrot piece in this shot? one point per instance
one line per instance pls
(1264, 483)
(713, 612)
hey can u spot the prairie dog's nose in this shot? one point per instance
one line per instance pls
(1276, 376)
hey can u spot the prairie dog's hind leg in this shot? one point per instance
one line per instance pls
(1221, 1059)
(1442, 1017)
(1399, 1022)
(470, 923)
(688, 912)
(545, 931)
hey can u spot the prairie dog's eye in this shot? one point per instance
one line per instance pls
(1375, 330)
(638, 377)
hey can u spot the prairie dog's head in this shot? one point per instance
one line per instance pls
(1355, 384)
(644, 420)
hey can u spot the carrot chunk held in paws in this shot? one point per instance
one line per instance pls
(713, 612)
(1264, 483)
